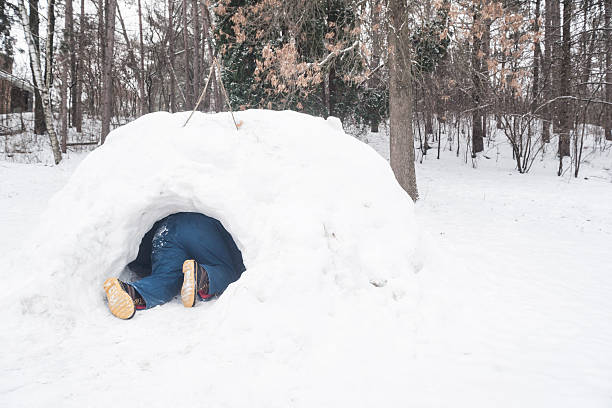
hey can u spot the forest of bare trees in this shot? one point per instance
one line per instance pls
(539, 70)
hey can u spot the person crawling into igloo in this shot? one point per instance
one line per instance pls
(187, 252)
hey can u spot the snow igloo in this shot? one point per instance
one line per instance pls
(310, 207)
(329, 240)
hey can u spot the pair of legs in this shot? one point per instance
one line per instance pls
(186, 252)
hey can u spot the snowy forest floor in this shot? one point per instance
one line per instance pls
(537, 244)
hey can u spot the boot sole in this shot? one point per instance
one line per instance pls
(188, 291)
(120, 303)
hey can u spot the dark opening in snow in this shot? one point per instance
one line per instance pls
(157, 270)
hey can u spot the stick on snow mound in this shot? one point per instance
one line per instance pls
(315, 212)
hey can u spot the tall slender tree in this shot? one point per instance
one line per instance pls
(33, 23)
(170, 50)
(480, 46)
(565, 113)
(77, 105)
(66, 62)
(44, 92)
(69, 27)
(547, 72)
(608, 67)
(556, 57)
(145, 102)
(217, 99)
(195, 21)
(107, 84)
(187, 59)
(400, 98)
(49, 44)
(537, 57)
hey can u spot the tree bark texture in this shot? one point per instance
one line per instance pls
(97, 98)
(608, 37)
(188, 72)
(107, 104)
(63, 109)
(72, 55)
(547, 71)
(587, 44)
(49, 44)
(195, 21)
(400, 99)
(556, 57)
(35, 61)
(217, 98)
(77, 104)
(170, 49)
(208, 54)
(565, 114)
(39, 115)
(536, 58)
(480, 47)
(377, 52)
(66, 55)
(145, 107)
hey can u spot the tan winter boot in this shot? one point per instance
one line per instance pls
(195, 281)
(123, 300)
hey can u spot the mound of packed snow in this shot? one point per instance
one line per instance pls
(311, 208)
(328, 237)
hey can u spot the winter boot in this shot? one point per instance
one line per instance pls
(123, 299)
(195, 280)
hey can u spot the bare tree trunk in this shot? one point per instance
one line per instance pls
(536, 58)
(39, 115)
(608, 42)
(479, 67)
(400, 99)
(171, 52)
(35, 61)
(66, 64)
(145, 108)
(49, 47)
(77, 104)
(484, 73)
(195, 20)
(585, 52)
(377, 47)
(97, 103)
(565, 117)
(556, 57)
(326, 94)
(428, 116)
(332, 91)
(217, 98)
(63, 109)
(546, 82)
(73, 59)
(188, 72)
(107, 102)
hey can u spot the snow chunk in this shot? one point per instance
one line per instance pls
(335, 123)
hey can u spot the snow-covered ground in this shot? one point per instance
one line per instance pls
(512, 308)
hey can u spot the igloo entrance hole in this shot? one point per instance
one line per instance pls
(177, 238)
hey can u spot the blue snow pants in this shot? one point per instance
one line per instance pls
(180, 237)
